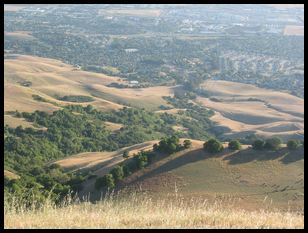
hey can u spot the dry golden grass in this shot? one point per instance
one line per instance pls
(24, 35)
(142, 211)
(94, 159)
(10, 175)
(51, 77)
(113, 126)
(14, 122)
(270, 113)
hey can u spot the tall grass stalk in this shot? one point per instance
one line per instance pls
(135, 210)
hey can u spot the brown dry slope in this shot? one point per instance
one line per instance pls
(247, 109)
(50, 77)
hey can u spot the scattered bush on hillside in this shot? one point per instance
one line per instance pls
(258, 144)
(187, 144)
(168, 145)
(105, 181)
(76, 98)
(141, 159)
(126, 170)
(273, 143)
(117, 173)
(213, 146)
(234, 145)
(125, 154)
(293, 144)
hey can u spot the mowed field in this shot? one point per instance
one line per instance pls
(247, 178)
(132, 12)
(49, 77)
(246, 109)
(294, 30)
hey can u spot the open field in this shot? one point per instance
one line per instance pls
(14, 122)
(14, 7)
(285, 6)
(22, 35)
(132, 12)
(246, 108)
(294, 30)
(141, 211)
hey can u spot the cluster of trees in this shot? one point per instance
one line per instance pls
(139, 161)
(76, 98)
(168, 145)
(119, 172)
(44, 182)
(195, 118)
(275, 143)
(69, 133)
(213, 146)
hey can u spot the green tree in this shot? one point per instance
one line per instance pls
(293, 144)
(273, 143)
(213, 146)
(126, 170)
(258, 144)
(125, 154)
(187, 144)
(234, 145)
(105, 181)
(117, 173)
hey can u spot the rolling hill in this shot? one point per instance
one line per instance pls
(246, 109)
(250, 178)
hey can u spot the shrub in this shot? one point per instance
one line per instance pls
(293, 144)
(213, 146)
(126, 170)
(125, 154)
(117, 173)
(258, 144)
(141, 160)
(187, 144)
(234, 145)
(273, 143)
(105, 181)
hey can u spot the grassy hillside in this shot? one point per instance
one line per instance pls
(29, 75)
(251, 177)
(269, 112)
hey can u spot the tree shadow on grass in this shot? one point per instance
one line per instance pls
(249, 155)
(186, 158)
(293, 156)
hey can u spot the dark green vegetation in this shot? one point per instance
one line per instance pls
(234, 145)
(293, 144)
(273, 144)
(76, 98)
(105, 181)
(213, 146)
(258, 144)
(166, 146)
(77, 129)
